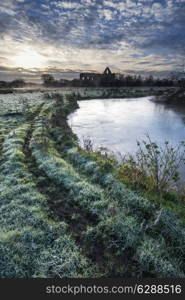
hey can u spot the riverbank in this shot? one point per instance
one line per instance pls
(64, 213)
(176, 97)
(92, 93)
(102, 172)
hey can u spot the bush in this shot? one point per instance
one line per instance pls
(157, 168)
(150, 218)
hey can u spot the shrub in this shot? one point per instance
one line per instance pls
(157, 167)
(150, 218)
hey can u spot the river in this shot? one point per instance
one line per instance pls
(117, 124)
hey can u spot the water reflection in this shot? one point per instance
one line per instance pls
(118, 123)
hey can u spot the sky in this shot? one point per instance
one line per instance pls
(64, 38)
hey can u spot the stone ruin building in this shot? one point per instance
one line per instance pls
(107, 75)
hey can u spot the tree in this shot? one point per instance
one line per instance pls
(47, 79)
(18, 83)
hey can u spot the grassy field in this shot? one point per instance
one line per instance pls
(65, 214)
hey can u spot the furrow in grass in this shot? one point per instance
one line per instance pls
(31, 244)
(156, 221)
(119, 238)
(57, 197)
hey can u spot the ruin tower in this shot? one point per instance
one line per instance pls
(107, 71)
(108, 75)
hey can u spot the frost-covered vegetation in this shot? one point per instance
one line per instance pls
(17, 103)
(65, 214)
(32, 244)
(135, 219)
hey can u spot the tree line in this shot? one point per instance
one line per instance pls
(119, 81)
(12, 84)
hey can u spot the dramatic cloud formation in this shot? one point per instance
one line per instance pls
(64, 37)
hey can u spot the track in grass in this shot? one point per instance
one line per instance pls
(61, 203)
(31, 243)
(124, 237)
(63, 215)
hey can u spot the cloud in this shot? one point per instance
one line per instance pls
(99, 32)
(67, 4)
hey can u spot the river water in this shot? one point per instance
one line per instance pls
(117, 124)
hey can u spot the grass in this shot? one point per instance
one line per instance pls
(124, 218)
(89, 160)
(98, 226)
(32, 244)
